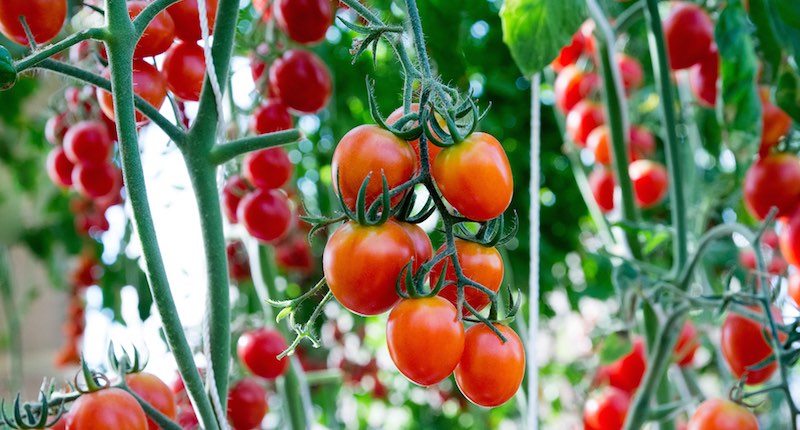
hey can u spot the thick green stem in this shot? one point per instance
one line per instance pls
(225, 152)
(12, 318)
(74, 39)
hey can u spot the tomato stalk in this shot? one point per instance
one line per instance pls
(36, 57)
(12, 319)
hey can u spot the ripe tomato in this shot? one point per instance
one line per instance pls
(649, 182)
(423, 250)
(271, 116)
(301, 80)
(482, 264)
(570, 53)
(148, 83)
(475, 177)
(187, 19)
(790, 240)
(158, 35)
(689, 35)
(602, 184)
(582, 119)
(772, 181)
(606, 411)
(185, 70)
(109, 408)
(366, 288)
(59, 168)
(598, 142)
(793, 288)
(95, 181)
(573, 85)
(258, 349)
(304, 21)
(55, 128)
(266, 214)
(232, 194)
(721, 414)
(743, 345)
(587, 31)
(238, 262)
(631, 70)
(247, 404)
(775, 123)
(370, 149)
(433, 150)
(627, 372)
(687, 345)
(490, 371)
(264, 8)
(703, 79)
(44, 17)
(294, 254)
(425, 339)
(268, 168)
(155, 392)
(88, 143)
(642, 143)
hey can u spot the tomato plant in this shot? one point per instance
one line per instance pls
(155, 392)
(107, 408)
(247, 404)
(259, 349)
(490, 371)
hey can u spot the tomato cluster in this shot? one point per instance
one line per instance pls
(247, 405)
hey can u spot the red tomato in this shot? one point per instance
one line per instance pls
(689, 35)
(370, 149)
(490, 371)
(247, 404)
(587, 31)
(433, 150)
(187, 19)
(238, 262)
(650, 182)
(59, 168)
(55, 128)
(703, 79)
(475, 177)
(479, 263)
(598, 142)
(627, 372)
(158, 35)
(631, 70)
(271, 116)
(367, 288)
(582, 119)
(301, 80)
(423, 250)
(44, 17)
(772, 181)
(721, 414)
(606, 411)
(109, 408)
(294, 254)
(148, 83)
(687, 345)
(264, 8)
(185, 70)
(775, 123)
(743, 345)
(266, 214)
(573, 85)
(88, 143)
(268, 168)
(793, 287)
(570, 53)
(155, 392)
(95, 181)
(425, 339)
(790, 239)
(642, 143)
(232, 194)
(304, 21)
(770, 239)
(602, 184)
(258, 349)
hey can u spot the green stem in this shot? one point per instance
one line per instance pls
(222, 153)
(12, 318)
(35, 58)
(159, 418)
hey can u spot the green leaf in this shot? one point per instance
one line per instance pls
(787, 94)
(741, 113)
(8, 72)
(789, 11)
(614, 347)
(536, 30)
(768, 43)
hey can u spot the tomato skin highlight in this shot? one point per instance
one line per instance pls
(572, 85)
(479, 263)
(88, 143)
(155, 392)
(490, 371)
(266, 214)
(582, 119)
(721, 414)
(148, 83)
(366, 288)
(425, 339)
(743, 345)
(650, 182)
(186, 15)
(689, 34)
(267, 168)
(773, 180)
(185, 70)
(603, 185)
(301, 80)
(59, 167)
(109, 408)
(157, 36)
(475, 177)
(606, 411)
(44, 17)
(258, 349)
(247, 404)
(304, 21)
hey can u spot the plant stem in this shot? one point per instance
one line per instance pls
(35, 58)
(12, 318)
(225, 152)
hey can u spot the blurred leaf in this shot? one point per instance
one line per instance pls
(768, 42)
(789, 11)
(614, 347)
(710, 131)
(787, 94)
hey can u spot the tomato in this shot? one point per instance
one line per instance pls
(258, 349)
(109, 408)
(423, 250)
(370, 149)
(304, 21)
(790, 239)
(266, 214)
(88, 143)
(650, 182)
(433, 150)
(743, 345)
(475, 177)
(570, 53)
(267, 168)
(770, 239)
(689, 34)
(631, 71)
(606, 411)
(187, 19)
(294, 254)
(59, 168)
(490, 371)
(479, 263)
(185, 70)
(232, 194)
(366, 288)
(793, 287)
(187, 419)
(598, 142)
(582, 119)
(687, 345)
(775, 123)
(425, 339)
(247, 404)
(44, 17)
(642, 143)
(587, 31)
(238, 262)
(721, 414)
(772, 181)
(95, 181)
(602, 185)
(573, 85)
(55, 128)
(148, 83)
(271, 116)
(703, 79)
(264, 8)
(158, 35)
(301, 80)
(155, 392)
(626, 373)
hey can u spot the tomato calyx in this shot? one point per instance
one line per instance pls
(492, 233)
(125, 363)
(307, 329)
(34, 415)
(381, 209)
